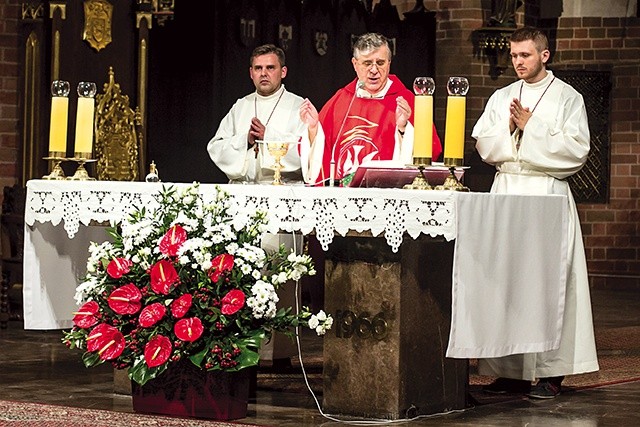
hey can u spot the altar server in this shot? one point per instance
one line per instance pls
(271, 113)
(535, 132)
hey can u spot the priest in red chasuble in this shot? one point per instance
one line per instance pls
(368, 119)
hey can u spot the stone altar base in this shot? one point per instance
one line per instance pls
(385, 356)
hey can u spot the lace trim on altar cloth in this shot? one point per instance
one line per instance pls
(323, 211)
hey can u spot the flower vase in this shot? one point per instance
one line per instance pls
(184, 390)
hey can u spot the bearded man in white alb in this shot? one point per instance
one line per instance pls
(535, 132)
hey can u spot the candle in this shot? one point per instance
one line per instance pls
(59, 117)
(454, 130)
(84, 118)
(58, 130)
(457, 87)
(84, 126)
(423, 124)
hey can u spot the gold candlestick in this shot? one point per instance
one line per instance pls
(420, 182)
(81, 173)
(451, 182)
(423, 87)
(55, 158)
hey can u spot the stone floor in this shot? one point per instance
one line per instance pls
(36, 367)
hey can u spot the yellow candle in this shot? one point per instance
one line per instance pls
(423, 127)
(84, 125)
(454, 131)
(58, 126)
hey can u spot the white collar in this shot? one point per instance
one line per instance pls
(362, 93)
(274, 95)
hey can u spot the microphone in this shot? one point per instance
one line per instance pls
(332, 166)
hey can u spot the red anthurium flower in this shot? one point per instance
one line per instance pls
(151, 314)
(118, 267)
(172, 240)
(157, 351)
(163, 276)
(125, 299)
(107, 340)
(180, 306)
(232, 301)
(189, 329)
(86, 317)
(220, 264)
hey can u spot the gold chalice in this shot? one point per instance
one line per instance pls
(277, 150)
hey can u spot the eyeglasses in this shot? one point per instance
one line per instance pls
(368, 64)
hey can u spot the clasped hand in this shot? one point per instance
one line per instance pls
(519, 115)
(256, 133)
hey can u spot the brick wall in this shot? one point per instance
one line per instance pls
(9, 143)
(611, 231)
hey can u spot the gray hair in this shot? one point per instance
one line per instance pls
(369, 42)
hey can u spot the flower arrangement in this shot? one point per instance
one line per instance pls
(185, 279)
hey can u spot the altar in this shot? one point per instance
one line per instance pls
(409, 273)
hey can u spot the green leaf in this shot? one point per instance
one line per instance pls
(91, 359)
(141, 373)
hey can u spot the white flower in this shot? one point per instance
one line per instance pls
(320, 322)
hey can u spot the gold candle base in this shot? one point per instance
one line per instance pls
(452, 183)
(55, 158)
(81, 173)
(420, 182)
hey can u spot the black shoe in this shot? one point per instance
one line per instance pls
(508, 385)
(546, 388)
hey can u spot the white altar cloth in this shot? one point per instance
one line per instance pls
(54, 260)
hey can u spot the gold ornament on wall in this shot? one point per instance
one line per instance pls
(116, 146)
(97, 23)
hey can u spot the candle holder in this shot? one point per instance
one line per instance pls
(457, 88)
(423, 87)
(81, 173)
(55, 158)
(451, 182)
(420, 182)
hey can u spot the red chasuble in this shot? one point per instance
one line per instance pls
(369, 129)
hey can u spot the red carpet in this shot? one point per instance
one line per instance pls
(23, 414)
